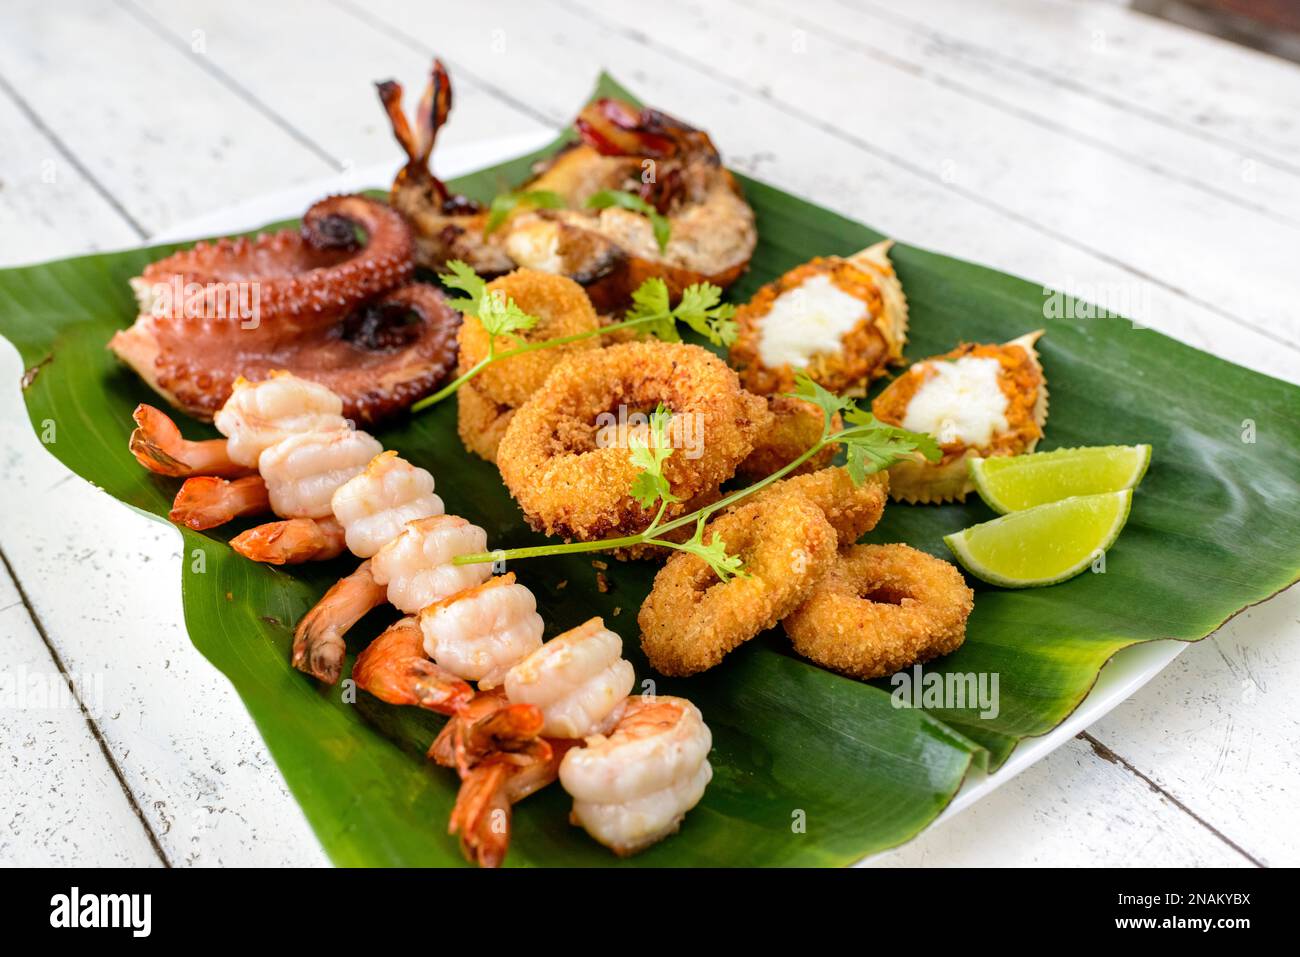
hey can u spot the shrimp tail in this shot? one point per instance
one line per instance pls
(292, 541)
(488, 724)
(482, 815)
(318, 646)
(158, 445)
(206, 501)
(394, 669)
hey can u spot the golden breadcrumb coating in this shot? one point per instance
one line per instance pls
(691, 620)
(562, 309)
(480, 421)
(852, 510)
(572, 474)
(795, 427)
(882, 608)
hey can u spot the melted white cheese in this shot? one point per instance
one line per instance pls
(809, 320)
(961, 401)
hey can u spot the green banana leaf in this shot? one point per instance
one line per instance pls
(810, 767)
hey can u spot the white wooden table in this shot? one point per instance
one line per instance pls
(1074, 143)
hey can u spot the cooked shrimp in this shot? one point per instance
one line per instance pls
(374, 506)
(483, 806)
(318, 647)
(158, 445)
(206, 501)
(259, 414)
(395, 669)
(634, 786)
(303, 471)
(578, 679)
(479, 633)
(292, 541)
(488, 723)
(416, 565)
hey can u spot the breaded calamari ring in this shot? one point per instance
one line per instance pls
(795, 427)
(852, 510)
(882, 608)
(561, 308)
(691, 619)
(480, 421)
(565, 458)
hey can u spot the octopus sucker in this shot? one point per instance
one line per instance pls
(331, 302)
(979, 401)
(303, 277)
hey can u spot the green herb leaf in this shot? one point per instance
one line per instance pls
(650, 301)
(701, 308)
(461, 277)
(714, 553)
(873, 445)
(704, 311)
(631, 201)
(506, 203)
(498, 313)
(649, 454)
(810, 391)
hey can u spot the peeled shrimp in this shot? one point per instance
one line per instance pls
(634, 786)
(303, 471)
(259, 414)
(416, 565)
(479, 633)
(578, 679)
(375, 505)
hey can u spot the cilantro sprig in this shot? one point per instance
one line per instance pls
(634, 203)
(700, 308)
(498, 313)
(870, 445)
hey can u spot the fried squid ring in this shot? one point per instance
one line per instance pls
(565, 456)
(882, 608)
(562, 309)
(795, 426)
(691, 620)
(852, 510)
(481, 421)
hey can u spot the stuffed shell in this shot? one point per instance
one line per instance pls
(977, 401)
(839, 321)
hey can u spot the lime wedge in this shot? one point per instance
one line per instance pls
(1045, 544)
(1011, 483)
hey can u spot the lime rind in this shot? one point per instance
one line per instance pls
(1007, 483)
(960, 542)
